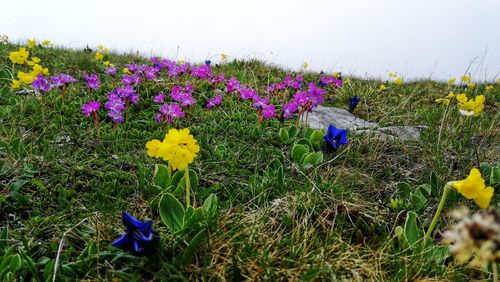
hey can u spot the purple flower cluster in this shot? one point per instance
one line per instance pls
(41, 84)
(169, 112)
(115, 106)
(128, 94)
(202, 72)
(62, 80)
(111, 71)
(330, 80)
(214, 102)
(92, 81)
(288, 82)
(160, 98)
(183, 95)
(90, 108)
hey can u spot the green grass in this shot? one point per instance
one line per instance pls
(331, 223)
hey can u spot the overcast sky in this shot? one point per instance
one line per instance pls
(417, 39)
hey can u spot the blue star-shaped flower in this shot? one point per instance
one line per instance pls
(353, 102)
(208, 62)
(335, 137)
(139, 238)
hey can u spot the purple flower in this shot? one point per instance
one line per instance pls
(335, 137)
(247, 93)
(62, 79)
(203, 72)
(115, 106)
(128, 93)
(111, 71)
(218, 78)
(150, 73)
(131, 79)
(139, 238)
(268, 111)
(353, 102)
(259, 102)
(90, 108)
(187, 100)
(290, 108)
(208, 62)
(41, 84)
(213, 102)
(169, 112)
(160, 98)
(232, 85)
(92, 81)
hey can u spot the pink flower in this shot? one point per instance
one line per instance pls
(169, 112)
(268, 111)
(90, 108)
(160, 98)
(213, 102)
(259, 102)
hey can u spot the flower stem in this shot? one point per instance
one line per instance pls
(495, 271)
(446, 191)
(188, 187)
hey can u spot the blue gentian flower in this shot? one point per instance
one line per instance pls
(353, 102)
(335, 137)
(208, 62)
(139, 238)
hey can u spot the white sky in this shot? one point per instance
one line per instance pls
(363, 37)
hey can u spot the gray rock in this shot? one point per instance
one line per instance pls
(322, 117)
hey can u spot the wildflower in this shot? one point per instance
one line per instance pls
(41, 84)
(19, 57)
(335, 137)
(92, 81)
(475, 238)
(382, 87)
(111, 71)
(208, 62)
(305, 65)
(99, 56)
(473, 187)
(223, 57)
(393, 75)
(62, 79)
(395, 203)
(232, 85)
(139, 238)
(169, 112)
(90, 108)
(398, 81)
(445, 102)
(31, 43)
(471, 85)
(179, 148)
(450, 95)
(46, 43)
(38, 69)
(290, 108)
(461, 98)
(25, 78)
(489, 87)
(160, 98)
(102, 49)
(353, 102)
(126, 70)
(452, 81)
(128, 94)
(33, 61)
(115, 106)
(472, 107)
(213, 102)
(268, 111)
(465, 78)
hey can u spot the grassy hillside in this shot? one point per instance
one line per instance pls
(64, 182)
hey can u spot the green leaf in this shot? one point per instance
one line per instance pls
(3, 239)
(307, 134)
(280, 177)
(191, 248)
(172, 212)
(210, 206)
(316, 138)
(495, 175)
(424, 189)
(306, 142)
(404, 190)
(284, 137)
(162, 176)
(434, 184)
(16, 186)
(292, 131)
(298, 151)
(177, 177)
(15, 263)
(312, 160)
(220, 151)
(412, 233)
(418, 201)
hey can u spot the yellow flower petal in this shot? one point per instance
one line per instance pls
(484, 198)
(472, 186)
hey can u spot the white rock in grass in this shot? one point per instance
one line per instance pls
(321, 117)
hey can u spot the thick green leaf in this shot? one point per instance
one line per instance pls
(424, 189)
(284, 137)
(307, 134)
(298, 151)
(15, 263)
(412, 233)
(495, 175)
(316, 138)
(418, 201)
(306, 142)
(172, 212)
(191, 248)
(312, 160)
(210, 206)
(181, 182)
(404, 190)
(293, 131)
(162, 176)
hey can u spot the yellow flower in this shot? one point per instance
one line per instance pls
(223, 57)
(125, 70)
(450, 95)
(471, 85)
(102, 49)
(34, 60)
(395, 203)
(106, 63)
(20, 56)
(461, 98)
(25, 78)
(15, 84)
(473, 188)
(305, 65)
(398, 81)
(452, 81)
(446, 102)
(498, 80)
(393, 75)
(465, 78)
(472, 106)
(489, 88)
(382, 87)
(37, 69)
(336, 74)
(31, 43)
(99, 56)
(46, 43)
(179, 148)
